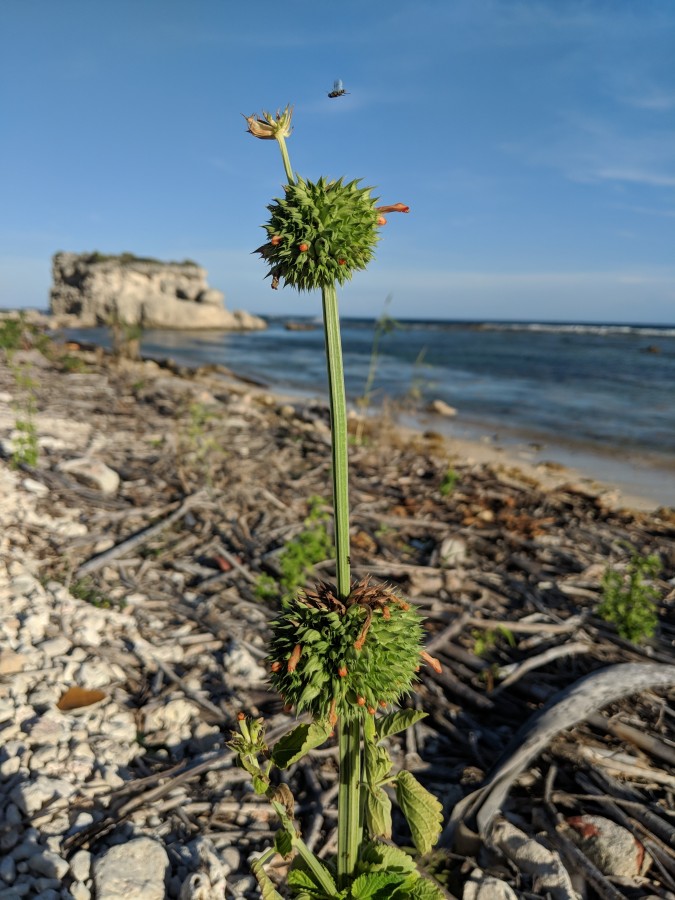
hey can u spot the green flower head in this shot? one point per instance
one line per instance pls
(333, 658)
(320, 233)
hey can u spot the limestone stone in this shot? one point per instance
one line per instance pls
(97, 290)
(135, 870)
(49, 864)
(93, 473)
(441, 408)
(80, 865)
(11, 662)
(32, 795)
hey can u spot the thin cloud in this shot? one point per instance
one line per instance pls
(637, 176)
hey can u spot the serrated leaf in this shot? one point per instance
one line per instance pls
(394, 722)
(422, 810)
(293, 746)
(425, 889)
(383, 856)
(378, 813)
(267, 889)
(375, 885)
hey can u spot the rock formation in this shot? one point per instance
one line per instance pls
(98, 290)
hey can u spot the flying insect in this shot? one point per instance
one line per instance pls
(338, 90)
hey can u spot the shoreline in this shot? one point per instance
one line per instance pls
(641, 480)
(549, 465)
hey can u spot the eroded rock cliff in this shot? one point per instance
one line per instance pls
(99, 289)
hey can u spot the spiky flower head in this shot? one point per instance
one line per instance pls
(320, 233)
(336, 658)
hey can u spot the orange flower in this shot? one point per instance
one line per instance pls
(277, 239)
(294, 658)
(361, 701)
(342, 671)
(381, 220)
(433, 662)
(275, 666)
(396, 207)
(303, 248)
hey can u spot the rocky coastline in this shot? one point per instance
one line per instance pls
(131, 633)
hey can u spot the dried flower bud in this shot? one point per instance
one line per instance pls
(269, 127)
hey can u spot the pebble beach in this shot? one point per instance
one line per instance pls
(131, 634)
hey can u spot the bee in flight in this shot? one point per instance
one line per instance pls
(338, 90)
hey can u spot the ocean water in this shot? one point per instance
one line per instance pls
(606, 389)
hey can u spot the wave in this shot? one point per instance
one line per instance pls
(571, 328)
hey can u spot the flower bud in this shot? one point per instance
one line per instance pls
(268, 127)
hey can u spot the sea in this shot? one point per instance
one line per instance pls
(598, 396)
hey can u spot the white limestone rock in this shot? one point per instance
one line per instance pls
(93, 473)
(133, 871)
(97, 289)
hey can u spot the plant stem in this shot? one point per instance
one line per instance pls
(349, 824)
(287, 163)
(338, 417)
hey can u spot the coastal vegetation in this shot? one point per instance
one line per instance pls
(630, 598)
(126, 259)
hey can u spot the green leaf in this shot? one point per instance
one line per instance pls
(425, 889)
(301, 880)
(397, 721)
(267, 889)
(378, 813)
(293, 746)
(283, 843)
(383, 856)
(375, 885)
(377, 764)
(422, 810)
(260, 784)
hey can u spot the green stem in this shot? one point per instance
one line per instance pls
(349, 818)
(349, 800)
(284, 155)
(338, 417)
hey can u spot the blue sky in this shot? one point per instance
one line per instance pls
(534, 141)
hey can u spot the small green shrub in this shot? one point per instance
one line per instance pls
(485, 641)
(26, 450)
(296, 561)
(11, 334)
(629, 600)
(85, 589)
(448, 482)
